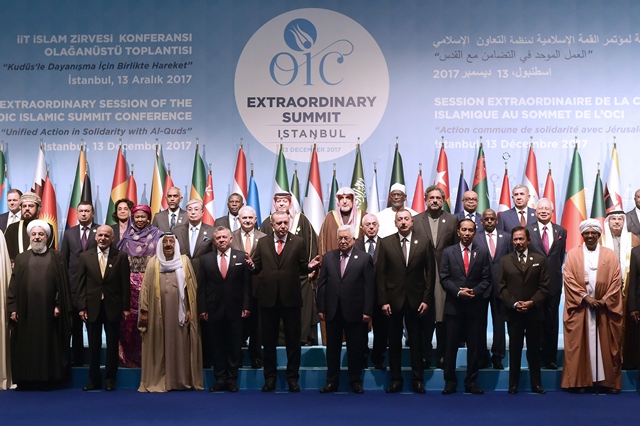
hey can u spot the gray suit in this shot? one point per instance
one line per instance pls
(633, 225)
(161, 220)
(204, 242)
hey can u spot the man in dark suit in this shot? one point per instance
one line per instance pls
(103, 299)
(633, 216)
(523, 281)
(224, 299)
(246, 239)
(345, 301)
(404, 277)
(465, 274)
(13, 215)
(231, 220)
(497, 243)
(166, 220)
(552, 247)
(282, 260)
(76, 240)
(633, 298)
(440, 228)
(520, 214)
(470, 203)
(194, 236)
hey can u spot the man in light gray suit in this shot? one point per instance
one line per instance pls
(166, 220)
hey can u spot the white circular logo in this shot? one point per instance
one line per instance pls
(311, 76)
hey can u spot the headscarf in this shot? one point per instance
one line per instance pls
(292, 207)
(42, 224)
(399, 187)
(142, 207)
(139, 242)
(174, 265)
(345, 190)
(606, 240)
(590, 223)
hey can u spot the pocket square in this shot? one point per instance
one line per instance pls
(238, 264)
(535, 264)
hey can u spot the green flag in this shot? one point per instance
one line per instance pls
(397, 172)
(480, 185)
(575, 209)
(280, 184)
(295, 191)
(198, 178)
(357, 183)
(334, 190)
(598, 210)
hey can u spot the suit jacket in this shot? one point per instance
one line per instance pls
(4, 218)
(510, 219)
(204, 243)
(114, 286)
(161, 220)
(280, 273)
(633, 296)
(503, 247)
(71, 249)
(224, 297)
(555, 258)
(633, 225)
(477, 219)
(523, 284)
(354, 290)
(360, 246)
(398, 281)
(447, 227)
(238, 244)
(453, 278)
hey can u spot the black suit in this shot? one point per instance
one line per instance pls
(510, 219)
(224, 299)
(104, 299)
(280, 298)
(344, 299)
(554, 261)
(633, 295)
(464, 317)
(404, 286)
(70, 251)
(528, 283)
(162, 221)
(4, 220)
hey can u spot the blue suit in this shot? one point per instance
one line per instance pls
(510, 219)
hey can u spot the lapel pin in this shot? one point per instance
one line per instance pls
(415, 241)
(110, 265)
(355, 257)
(499, 235)
(205, 232)
(234, 256)
(444, 220)
(531, 258)
(474, 254)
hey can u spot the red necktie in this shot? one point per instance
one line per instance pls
(223, 265)
(523, 220)
(279, 247)
(545, 240)
(492, 245)
(466, 260)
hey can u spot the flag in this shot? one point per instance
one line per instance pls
(575, 209)
(280, 183)
(357, 182)
(612, 194)
(418, 194)
(253, 198)
(598, 207)
(334, 190)
(462, 188)
(397, 173)
(118, 187)
(240, 176)
(132, 188)
(157, 182)
(168, 184)
(313, 206)
(505, 193)
(442, 178)
(531, 178)
(48, 212)
(4, 183)
(480, 185)
(198, 178)
(295, 191)
(86, 189)
(209, 216)
(40, 174)
(550, 193)
(373, 203)
(76, 191)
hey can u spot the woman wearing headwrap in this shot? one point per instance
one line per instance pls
(171, 345)
(139, 243)
(592, 315)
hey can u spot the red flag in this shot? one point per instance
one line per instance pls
(132, 189)
(550, 194)
(240, 176)
(418, 194)
(39, 175)
(505, 194)
(313, 205)
(168, 183)
(49, 212)
(209, 206)
(531, 178)
(442, 178)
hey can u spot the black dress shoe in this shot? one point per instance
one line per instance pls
(357, 388)
(538, 389)
(497, 363)
(513, 390)
(418, 387)
(380, 366)
(329, 387)
(218, 387)
(474, 390)
(440, 364)
(449, 389)
(256, 363)
(269, 385)
(110, 387)
(91, 387)
(551, 366)
(293, 385)
(232, 387)
(394, 387)
(426, 364)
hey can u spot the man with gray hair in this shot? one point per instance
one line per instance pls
(16, 234)
(519, 214)
(195, 237)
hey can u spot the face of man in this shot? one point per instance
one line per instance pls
(345, 240)
(544, 211)
(616, 223)
(247, 221)
(489, 220)
(140, 219)
(123, 212)
(470, 201)
(13, 202)
(637, 198)
(222, 239)
(280, 224)
(195, 213)
(520, 197)
(234, 203)
(434, 200)
(397, 198)
(169, 246)
(466, 232)
(85, 214)
(520, 241)
(345, 202)
(404, 222)
(38, 239)
(282, 204)
(29, 210)
(591, 237)
(370, 226)
(104, 237)
(174, 198)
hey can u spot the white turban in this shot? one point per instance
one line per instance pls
(590, 223)
(398, 187)
(42, 224)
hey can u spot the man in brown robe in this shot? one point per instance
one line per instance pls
(592, 315)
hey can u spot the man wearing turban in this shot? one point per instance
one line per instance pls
(16, 234)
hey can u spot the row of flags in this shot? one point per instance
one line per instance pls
(124, 186)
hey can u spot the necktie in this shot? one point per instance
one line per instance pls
(522, 260)
(466, 260)
(545, 240)
(103, 264)
(279, 247)
(194, 238)
(470, 216)
(372, 247)
(84, 238)
(235, 223)
(523, 220)
(173, 221)
(223, 265)
(247, 242)
(404, 249)
(343, 263)
(492, 245)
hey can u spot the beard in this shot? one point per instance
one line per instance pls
(38, 246)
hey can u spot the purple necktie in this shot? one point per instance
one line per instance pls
(545, 240)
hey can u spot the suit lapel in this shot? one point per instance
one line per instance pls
(398, 247)
(458, 255)
(110, 260)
